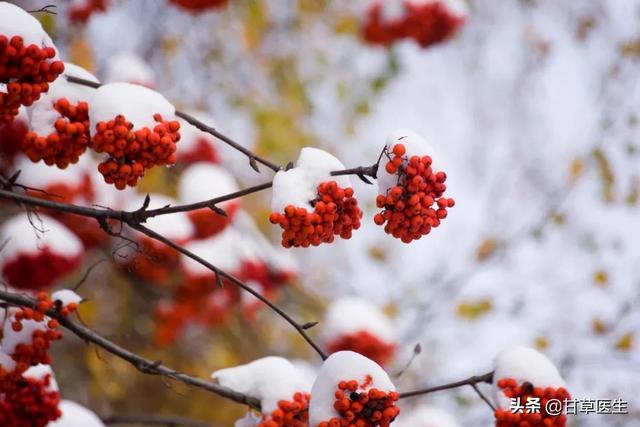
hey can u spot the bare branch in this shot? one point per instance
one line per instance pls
(154, 420)
(471, 381)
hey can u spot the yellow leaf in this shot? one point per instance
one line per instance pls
(601, 278)
(625, 343)
(541, 343)
(486, 249)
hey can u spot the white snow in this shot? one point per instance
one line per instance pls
(249, 420)
(6, 362)
(39, 371)
(42, 115)
(11, 338)
(524, 364)
(204, 181)
(66, 297)
(456, 7)
(175, 226)
(349, 315)
(342, 366)
(190, 135)
(425, 416)
(23, 238)
(41, 176)
(137, 103)
(414, 144)
(15, 21)
(127, 67)
(75, 415)
(226, 250)
(299, 186)
(269, 379)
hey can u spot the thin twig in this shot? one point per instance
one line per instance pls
(142, 364)
(486, 378)
(154, 420)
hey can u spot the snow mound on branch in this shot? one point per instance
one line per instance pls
(175, 226)
(136, 103)
(426, 416)
(127, 67)
(40, 176)
(204, 181)
(299, 186)
(6, 362)
(415, 145)
(392, 10)
(15, 21)
(39, 371)
(342, 366)
(524, 364)
(249, 420)
(22, 237)
(226, 251)
(75, 415)
(456, 7)
(269, 379)
(66, 297)
(350, 315)
(43, 116)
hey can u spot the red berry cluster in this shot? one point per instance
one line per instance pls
(407, 207)
(370, 408)
(11, 134)
(82, 12)
(366, 344)
(153, 262)
(131, 152)
(68, 142)
(208, 223)
(27, 71)
(38, 270)
(294, 413)
(30, 402)
(198, 5)
(524, 391)
(336, 212)
(202, 151)
(428, 23)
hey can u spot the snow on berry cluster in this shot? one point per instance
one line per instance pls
(200, 5)
(59, 131)
(81, 10)
(29, 395)
(355, 324)
(351, 390)
(523, 374)
(283, 390)
(411, 192)
(128, 67)
(427, 22)
(28, 61)
(204, 181)
(310, 205)
(38, 251)
(135, 127)
(426, 416)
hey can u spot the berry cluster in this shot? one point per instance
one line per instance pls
(524, 391)
(131, 152)
(68, 142)
(11, 134)
(427, 23)
(202, 151)
(294, 413)
(197, 5)
(153, 262)
(366, 344)
(30, 402)
(208, 223)
(336, 212)
(370, 408)
(407, 207)
(27, 72)
(80, 13)
(38, 270)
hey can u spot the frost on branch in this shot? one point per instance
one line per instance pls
(75, 415)
(136, 128)
(310, 205)
(355, 324)
(38, 254)
(283, 391)
(127, 67)
(196, 145)
(427, 22)
(410, 191)
(204, 181)
(59, 122)
(28, 61)
(426, 416)
(352, 390)
(154, 261)
(523, 373)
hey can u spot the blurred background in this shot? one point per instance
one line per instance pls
(531, 109)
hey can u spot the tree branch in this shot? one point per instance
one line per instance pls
(471, 381)
(142, 364)
(154, 420)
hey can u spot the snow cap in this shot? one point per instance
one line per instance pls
(350, 315)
